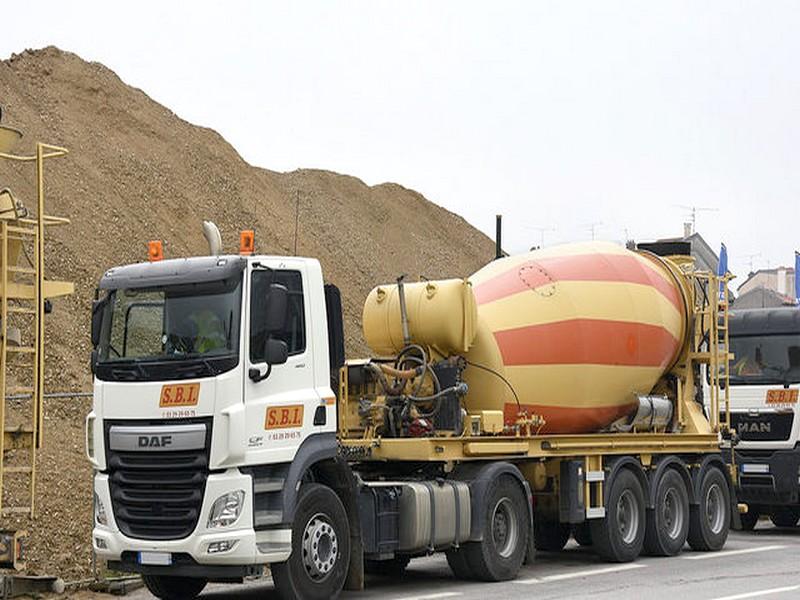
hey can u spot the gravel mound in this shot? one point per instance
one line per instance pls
(137, 172)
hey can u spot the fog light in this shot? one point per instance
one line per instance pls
(226, 510)
(100, 515)
(101, 544)
(223, 546)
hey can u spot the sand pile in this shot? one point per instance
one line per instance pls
(136, 172)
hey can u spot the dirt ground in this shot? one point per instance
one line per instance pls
(138, 172)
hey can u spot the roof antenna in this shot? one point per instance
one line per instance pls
(213, 237)
(296, 217)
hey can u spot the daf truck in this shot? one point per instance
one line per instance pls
(552, 394)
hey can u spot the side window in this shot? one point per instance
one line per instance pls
(294, 333)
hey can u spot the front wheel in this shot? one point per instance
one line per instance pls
(317, 567)
(710, 519)
(499, 556)
(170, 587)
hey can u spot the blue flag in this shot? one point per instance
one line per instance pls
(797, 277)
(722, 270)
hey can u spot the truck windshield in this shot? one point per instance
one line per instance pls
(765, 359)
(196, 324)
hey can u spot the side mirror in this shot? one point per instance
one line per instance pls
(98, 308)
(276, 352)
(276, 308)
(95, 357)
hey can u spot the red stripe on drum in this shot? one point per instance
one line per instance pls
(588, 341)
(627, 268)
(567, 419)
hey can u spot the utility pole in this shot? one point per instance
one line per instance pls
(592, 227)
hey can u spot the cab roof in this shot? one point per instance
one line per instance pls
(197, 269)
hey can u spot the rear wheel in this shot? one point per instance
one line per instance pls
(710, 520)
(499, 556)
(394, 567)
(549, 535)
(169, 587)
(619, 536)
(668, 522)
(786, 516)
(750, 519)
(317, 567)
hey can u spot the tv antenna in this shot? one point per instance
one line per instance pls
(693, 210)
(542, 231)
(749, 258)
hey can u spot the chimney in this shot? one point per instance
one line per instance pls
(781, 283)
(687, 229)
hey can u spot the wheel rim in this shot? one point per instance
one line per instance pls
(628, 517)
(715, 508)
(505, 529)
(672, 513)
(320, 547)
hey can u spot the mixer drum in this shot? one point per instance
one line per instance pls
(577, 330)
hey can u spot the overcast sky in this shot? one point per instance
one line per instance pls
(559, 115)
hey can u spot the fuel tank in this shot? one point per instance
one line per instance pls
(572, 333)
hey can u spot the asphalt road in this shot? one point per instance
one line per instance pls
(763, 563)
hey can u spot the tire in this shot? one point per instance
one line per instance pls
(499, 556)
(457, 561)
(668, 523)
(619, 537)
(750, 519)
(582, 534)
(785, 516)
(549, 535)
(710, 519)
(318, 565)
(394, 567)
(170, 587)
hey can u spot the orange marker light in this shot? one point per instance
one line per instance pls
(155, 251)
(247, 242)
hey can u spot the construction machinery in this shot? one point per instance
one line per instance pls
(25, 296)
(551, 394)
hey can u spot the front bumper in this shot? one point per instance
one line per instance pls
(251, 547)
(769, 478)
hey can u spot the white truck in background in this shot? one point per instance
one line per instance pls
(765, 412)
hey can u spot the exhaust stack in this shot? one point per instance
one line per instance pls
(213, 237)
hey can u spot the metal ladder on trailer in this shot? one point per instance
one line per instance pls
(23, 294)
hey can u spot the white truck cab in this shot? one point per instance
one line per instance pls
(180, 353)
(765, 413)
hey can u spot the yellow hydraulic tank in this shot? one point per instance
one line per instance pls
(577, 331)
(441, 314)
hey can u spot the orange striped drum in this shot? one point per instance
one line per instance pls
(577, 330)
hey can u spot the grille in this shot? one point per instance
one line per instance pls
(158, 495)
(762, 427)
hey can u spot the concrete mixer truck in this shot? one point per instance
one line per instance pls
(552, 394)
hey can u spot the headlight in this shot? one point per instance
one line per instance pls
(100, 516)
(226, 510)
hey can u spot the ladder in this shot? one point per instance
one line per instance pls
(23, 293)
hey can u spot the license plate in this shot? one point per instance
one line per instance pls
(782, 396)
(160, 559)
